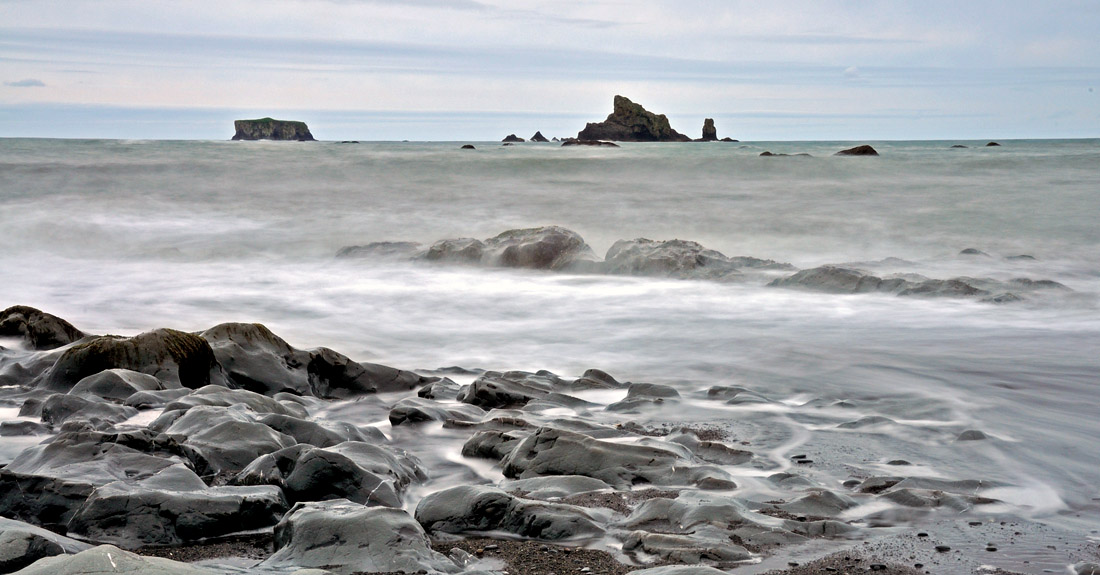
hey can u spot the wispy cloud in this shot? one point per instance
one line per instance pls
(26, 83)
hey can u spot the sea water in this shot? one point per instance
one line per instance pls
(127, 236)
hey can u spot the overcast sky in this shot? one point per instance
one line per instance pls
(480, 69)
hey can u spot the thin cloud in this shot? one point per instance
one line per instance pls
(26, 83)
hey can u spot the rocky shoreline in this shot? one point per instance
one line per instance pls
(233, 450)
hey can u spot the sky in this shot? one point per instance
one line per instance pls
(481, 69)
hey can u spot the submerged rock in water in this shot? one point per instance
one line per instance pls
(41, 331)
(382, 250)
(484, 508)
(594, 143)
(630, 122)
(345, 537)
(546, 248)
(835, 279)
(551, 451)
(669, 258)
(271, 129)
(863, 150)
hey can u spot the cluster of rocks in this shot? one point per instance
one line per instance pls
(560, 249)
(235, 446)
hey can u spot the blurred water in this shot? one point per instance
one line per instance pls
(122, 237)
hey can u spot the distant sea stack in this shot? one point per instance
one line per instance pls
(630, 122)
(710, 133)
(272, 129)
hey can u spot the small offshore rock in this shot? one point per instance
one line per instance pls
(973, 252)
(992, 144)
(943, 548)
(596, 143)
(710, 133)
(468, 147)
(538, 137)
(512, 138)
(863, 150)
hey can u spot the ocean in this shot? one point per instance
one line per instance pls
(123, 237)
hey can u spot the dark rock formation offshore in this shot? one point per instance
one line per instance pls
(538, 137)
(271, 129)
(863, 150)
(710, 133)
(630, 122)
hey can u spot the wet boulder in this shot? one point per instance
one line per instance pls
(484, 508)
(494, 389)
(40, 330)
(555, 486)
(669, 258)
(551, 451)
(174, 357)
(458, 250)
(220, 439)
(695, 548)
(645, 396)
(334, 376)
(359, 472)
(59, 408)
(320, 433)
(155, 399)
(943, 288)
(116, 384)
(345, 537)
(444, 388)
(46, 483)
(134, 515)
(22, 544)
(596, 379)
(545, 248)
(256, 359)
(218, 396)
(418, 410)
(492, 444)
(98, 559)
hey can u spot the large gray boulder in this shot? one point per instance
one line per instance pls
(836, 279)
(494, 389)
(46, 483)
(174, 511)
(334, 376)
(22, 544)
(256, 359)
(630, 122)
(174, 357)
(40, 330)
(359, 472)
(345, 537)
(221, 439)
(457, 250)
(551, 451)
(116, 384)
(484, 508)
